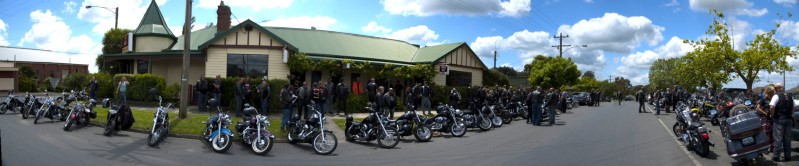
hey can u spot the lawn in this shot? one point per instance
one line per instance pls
(191, 125)
(342, 123)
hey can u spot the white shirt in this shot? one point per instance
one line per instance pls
(774, 100)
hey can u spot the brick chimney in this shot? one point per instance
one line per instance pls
(222, 17)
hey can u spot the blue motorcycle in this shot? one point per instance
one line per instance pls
(216, 131)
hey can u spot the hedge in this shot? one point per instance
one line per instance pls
(140, 84)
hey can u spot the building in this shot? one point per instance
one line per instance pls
(248, 49)
(9, 68)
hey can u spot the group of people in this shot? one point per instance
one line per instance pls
(670, 97)
(776, 116)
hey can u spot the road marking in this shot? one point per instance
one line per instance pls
(696, 162)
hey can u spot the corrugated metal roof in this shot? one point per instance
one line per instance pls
(346, 45)
(432, 53)
(153, 22)
(198, 37)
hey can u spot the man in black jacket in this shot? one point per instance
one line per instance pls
(781, 111)
(202, 93)
(239, 96)
(552, 103)
(640, 96)
(534, 100)
(217, 90)
(371, 90)
(92, 87)
(342, 93)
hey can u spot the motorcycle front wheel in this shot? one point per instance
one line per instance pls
(327, 145)
(221, 143)
(39, 115)
(677, 129)
(68, 124)
(458, 129)
(27, 113)
(262, 146)
(497, 121)
(423, 133)
(388, 141)
(109, 127)
(155, 136)
(3, 108)
(485, 124)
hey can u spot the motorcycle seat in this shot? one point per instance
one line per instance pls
(695, 125)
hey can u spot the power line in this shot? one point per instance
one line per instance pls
(560, 46)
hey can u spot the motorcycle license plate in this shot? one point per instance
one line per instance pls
(748, 141)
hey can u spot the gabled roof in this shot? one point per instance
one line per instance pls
(198, 37)
(153, 23)
(221, 35)
(345, 45)
(433, 53)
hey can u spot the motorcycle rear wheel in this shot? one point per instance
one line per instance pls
(348, 135)
(507, 119)
(525, 114)
(386, 141)
(702, 148)
(327, 145)
(292, 136)
(262, 146)
(422, 133)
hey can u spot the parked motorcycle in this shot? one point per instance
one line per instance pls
(744, 137)
(253, 130)
(446, 120)
(410, 123)
(474, 117)
(724, 107)
(692, 131)
(80, 114)
(313, 131)
(373, 127)
(11, 103)
(51, 110)
(160, 128)
(490, 110)
(119, 118)
(31, 105)
(216, 132)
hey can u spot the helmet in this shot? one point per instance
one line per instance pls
(106, 103)
(213, 102)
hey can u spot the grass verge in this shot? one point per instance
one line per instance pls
(342, 123)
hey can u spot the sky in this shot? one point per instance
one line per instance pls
(622, 37)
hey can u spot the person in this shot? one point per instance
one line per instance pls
(356, 86)
(218, 89)
(121, 91)
(564, 95)
(239, 96)
(454, 98)
(286, 99)
(535, 100)
(264, 91)
(247, 98)
(620, 96)
(763, 111)
(328, 96)
(641, 98)
(426, 98)
(655, 97)
(417, 95)
(410, 105)
(379, 102)
(399, 88)
(318, 97)
(303, 99)
(342, 94)
(92, 86)
(781, 110)
(675, 98)
(371, 90)
(552, 100)
(667, 100)
(202, 93)
(391, 102)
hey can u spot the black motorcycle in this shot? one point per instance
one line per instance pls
(446, 120)
(373, 127)
(410, 123)
(119, 118)
(312, 131)
(253, 130)
(81, 113)
(32, 104)
(11, 103)
(690, 130)
(474, 117)
(51, 110)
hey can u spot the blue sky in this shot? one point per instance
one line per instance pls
(624, 37)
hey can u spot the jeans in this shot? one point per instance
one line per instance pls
(426, 104)
(265, 107)
(218, 98)
(552, 114)
(318, 108)
(641, 107)
(390, 110)
(123, 99)
(657, 108)
(327, 106)
(93, 95)
(536, 114)
(202, 100)
(286, 116)
(782, 138)
(342, 106)
(238, 105)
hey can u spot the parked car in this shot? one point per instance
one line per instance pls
(629, 98)
(582, 97)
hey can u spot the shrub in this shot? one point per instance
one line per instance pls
(105, 85)
(140, 85)
(74, 81)
(171, 92)
(27, 85)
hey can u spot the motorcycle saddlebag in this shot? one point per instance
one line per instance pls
(93, 115)
(743, 125)
(126, 117)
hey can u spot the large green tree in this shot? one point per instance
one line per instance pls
(508, 71)
(764, 53)
(553, 72)
(662, 72)
(112, 44)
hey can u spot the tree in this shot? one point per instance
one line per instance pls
(621, 84)
(764, 53)
(495, 77)
(589, 74)
(586, 84)
(508, 71)
(112, 44)
(553, 72)
(661, 73)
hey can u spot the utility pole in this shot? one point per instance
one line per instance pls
(184, 82)
(495, 58)
(560, 46)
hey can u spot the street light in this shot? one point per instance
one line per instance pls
(115, 11)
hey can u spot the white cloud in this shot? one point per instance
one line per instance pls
(372, 27)
(742, 7)
(415, 34)
(636, 66)
(69, 6)
(672, 3)
(613, 32)
(3, 33)
(788, 29)
(786, 2)
(511, 8)
(104, 19)
(254, 5)
(306, 22)
(485, 46)
(50, 32)
(635, 76)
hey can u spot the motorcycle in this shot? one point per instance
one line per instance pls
(11, 103)
(475, 118)
(744, 137)
(446, 120)
(253, 130)
(119, 118)
(692, 131)
(510, 110)
(313, 131)
(410, 123)
(51, 110)
(724, 107)
(160, 128)
(80, 114)
(373, 127)
(489, 110)
(216, 132)
(31, 105)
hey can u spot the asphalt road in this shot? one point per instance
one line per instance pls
(607, 135)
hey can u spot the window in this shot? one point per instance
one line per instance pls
(240, 65)
(459, 78)
(143, 67)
